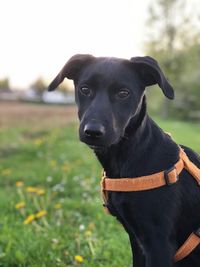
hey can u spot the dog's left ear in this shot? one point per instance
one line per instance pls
(71, 69)
(151, 73)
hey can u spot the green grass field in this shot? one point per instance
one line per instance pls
(51, 210)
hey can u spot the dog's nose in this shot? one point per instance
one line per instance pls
(94, 130)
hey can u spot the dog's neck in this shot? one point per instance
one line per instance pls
(145, 149)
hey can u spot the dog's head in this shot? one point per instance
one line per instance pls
(109, 93)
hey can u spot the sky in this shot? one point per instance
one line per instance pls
(39, 36)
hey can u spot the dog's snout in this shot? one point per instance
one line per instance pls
(94, 130)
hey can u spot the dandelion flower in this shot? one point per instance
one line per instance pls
(20, 205)
(49, 179)
(88, 233)
(57, 206)
(19, 184)
(40, 192)
(6, 172)
(91, 226)
(65, 167)
(82, 227)
(78, 258)
(40, 214)
(53, 163)
(55, 241)
(31, 189)
(38, 141)
(29, 219)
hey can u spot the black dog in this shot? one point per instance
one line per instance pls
(110, 94)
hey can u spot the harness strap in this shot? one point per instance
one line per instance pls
(153, 181)
(142, 183)
(190, 244)
(190, 166)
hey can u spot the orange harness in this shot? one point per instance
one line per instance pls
(167, 177)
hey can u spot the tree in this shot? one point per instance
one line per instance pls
(188, 86)
(39, 86)
(174, 43)
(4, 83)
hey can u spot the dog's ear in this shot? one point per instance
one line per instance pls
(151, 73)
(71, 69)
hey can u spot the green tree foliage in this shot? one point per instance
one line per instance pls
(4, 83)
(174, 41)
(39, 85)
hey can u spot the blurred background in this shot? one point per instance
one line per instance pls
(50, 206)
(38, 37)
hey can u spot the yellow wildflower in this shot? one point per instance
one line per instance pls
(88, 233)
(91, 226)
(40, 191)
(19, 184)
(53, 163)
(78, 258)
(29, 219)
(38, 141)
(6, 172)
(31, 189)
(65, 167)
(20, 205)
(40, 214)
(37, 190)
(57, 206)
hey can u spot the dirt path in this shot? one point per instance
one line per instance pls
(17, 114)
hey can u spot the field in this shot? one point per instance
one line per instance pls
(51, 210)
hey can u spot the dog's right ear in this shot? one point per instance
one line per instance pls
(71, 69)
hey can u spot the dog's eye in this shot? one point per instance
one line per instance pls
(123, 93)
(86, 91)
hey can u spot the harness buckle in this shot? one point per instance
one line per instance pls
(166, 176)
(197, 233)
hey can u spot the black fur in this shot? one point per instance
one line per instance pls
(110, 94)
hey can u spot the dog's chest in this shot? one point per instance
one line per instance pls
(139, 211)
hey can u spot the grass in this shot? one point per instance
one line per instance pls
(185, 133)
(47, 170)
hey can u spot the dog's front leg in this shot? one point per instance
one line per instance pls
(158, 253)
(137, 252)
(151, 242)
(153, 253)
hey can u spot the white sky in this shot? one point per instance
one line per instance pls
(38, 36)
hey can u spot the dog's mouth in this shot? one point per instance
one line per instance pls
(97, 147)
(99, 144)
